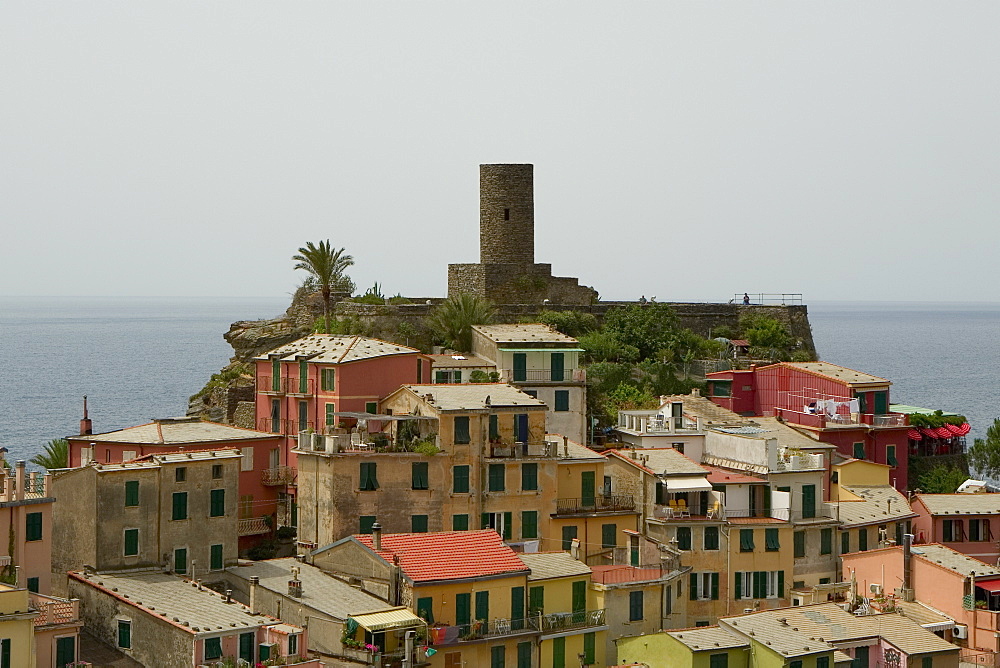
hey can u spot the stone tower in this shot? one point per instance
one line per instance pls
(506, 214)
(507, 272)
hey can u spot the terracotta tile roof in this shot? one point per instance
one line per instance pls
(448, 555)
(961, 504)
(720, 476)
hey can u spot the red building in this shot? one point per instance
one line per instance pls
(840, 406)
(305, 385)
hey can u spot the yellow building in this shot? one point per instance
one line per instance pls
(17, 620)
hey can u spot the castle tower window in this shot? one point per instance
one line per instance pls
(506, 214)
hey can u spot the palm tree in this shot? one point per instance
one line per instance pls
(56, 455)
(326, 266)
(452, 321)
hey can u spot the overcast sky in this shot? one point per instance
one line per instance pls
(844, 150)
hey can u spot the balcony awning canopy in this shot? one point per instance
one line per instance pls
(398, 618)
(687, 483)
(989, 585)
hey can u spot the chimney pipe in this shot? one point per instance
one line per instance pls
(907, 559)
(254, 582)
(377, 535)
(86, 426)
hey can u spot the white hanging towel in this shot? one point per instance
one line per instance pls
(855, 406)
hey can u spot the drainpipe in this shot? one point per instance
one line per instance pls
(908, 561)
(975, 613)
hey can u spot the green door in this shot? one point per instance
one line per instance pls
(521, 428)
(881, 402)
(303, 378)
(536, 599)
(520, 367)
(517, 608)
(808, 501)
(463, 609)
(482, 605)
(588, 484)
(181, 560)
(246, 646)
(579, 601)
(65, 651)
(558, 367)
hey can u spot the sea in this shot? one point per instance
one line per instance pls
(141, 358)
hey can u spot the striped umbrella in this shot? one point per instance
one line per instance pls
(914, 435)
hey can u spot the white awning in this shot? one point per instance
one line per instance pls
(687, 483)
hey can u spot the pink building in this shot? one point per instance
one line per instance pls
(26, 518)
(967, 523)
(843, 407)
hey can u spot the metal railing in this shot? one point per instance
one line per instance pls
(566, 375)
(524, 450)
(252, 526)
(278, 475)
(764, 298)
(302, 387)
(597, 504)
(265, 384)
(483, 629)
(631, 574)
(563, 621)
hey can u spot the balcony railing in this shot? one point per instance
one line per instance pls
(302, 387)
(543, 376)
(53, 611)
(564, 621)
(597, 504)
(278, 475)
(524, 450)
(252, 526)
(480, 630)
(266, 385)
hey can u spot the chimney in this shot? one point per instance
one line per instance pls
(565, 446)
(907, 564)
(377, 536)
(86, 426)
(295, 585)
(695, 392)
(254, 582)
(19, 480)
(574, 548)
(229, 596)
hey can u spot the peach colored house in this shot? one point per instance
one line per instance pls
(26, 519)
(968, 523)
(57, 630)
(965, 589)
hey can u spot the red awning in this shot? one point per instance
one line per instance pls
(929, 432)
(914, 435)
(964, 429)
(944, 433)
(989, 585)
(954, 429)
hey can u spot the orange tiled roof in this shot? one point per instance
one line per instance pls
(448, 555)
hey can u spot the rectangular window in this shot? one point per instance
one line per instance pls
(328, 379)
(524, 655)
(746, 540)
(771, 540)
(498, 656)
(795, 664)
(213, 648)
(562, 401)
(589, 648)
(331, 418)
(703, 587)
(826, 541)
(635, 606)
(420, 371)
(927, 662)
(718, 661)
(529, 476)
(369, 479)
(862, 539)
(494, 427)
(246, 464)
(418, 475)
(845, 542)
(132, 493)
(180, 474)
(683, 538)
(371, 407)
(822, 662)
(425, 609)
(859, 450)
(459, 522)
(124, 634)
(711, 538)
(218, 503)
(215, 557)
(799, 544)
(33, 585)
(520, 367)
(276, 414)
(460, 479)
(180, 506)
(559, 652)
(497, 473)
(131, 542)
(953, 532)
(568, 534)
(808, 501)
(558, 370)
(979, 530)
(482, 605)
(890, 455)
(463, 609)
(365, 523)
(303, 415)
(536, 600)
(293, 644)
(216, 471)
(462, 430)
(529, 524)
(758, 584)
(181, 560)
(418, 523)
(609, 535)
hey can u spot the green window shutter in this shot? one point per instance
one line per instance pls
(590, 648)
(33, 585)
(562, 400)
(661, 493)
(213, 648)
(508, 525)
(558, 363)
(131, 542)
(218, 503)
(65, 650)
(124, 635)
(559, 652)
(463, 609)
(845, 542)
(746, 540)
(497, 477)
(738, 585)
(498, 656)
(635, 606)
(771, 543)
(536, 599)
(568, 534)
(529, 524)
(484, 521)
(718, 661)
(180, 506)
(132, 493)
(859, 450)
(520, 367)
(456, 376)
(588, 483)
(275, 375)
(755, 584)
(303, 377)
(715, 586)
(441, 377)
(927, 662)
(180, 560)
(371, 407)
(216, 558)
(693, 587)
(329, 379)
(369, 476)
(799, 543)
(494, 427)
(529, 476)
(808, 501)
(462, 429)
(825, 541)
(609, 535)
(579, 600)
(524, 655)
(365, 523)
(482, 605)
(460, 479)
(331, 419)
(822, 662)
(517, 607)
(459, 522)
(890, 455)
(418, 523)
(418, 475)
(862, 539)
(781, 584)
(683, 538)
(795, 664)
(420, 371)
(32, 526)
(711, 538)
(425, 609)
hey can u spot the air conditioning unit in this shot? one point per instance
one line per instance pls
(875, 589)
(961, 631)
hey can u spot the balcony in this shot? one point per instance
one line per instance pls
(653, 422)
(253, 526)
(299, 387)
(608, 575)
(566, 621)
(524, 450)
(539, 376)
(265, 385)
(482, 630)
(615, 503)
(53, 611)
(841, 420)
(278, 475)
